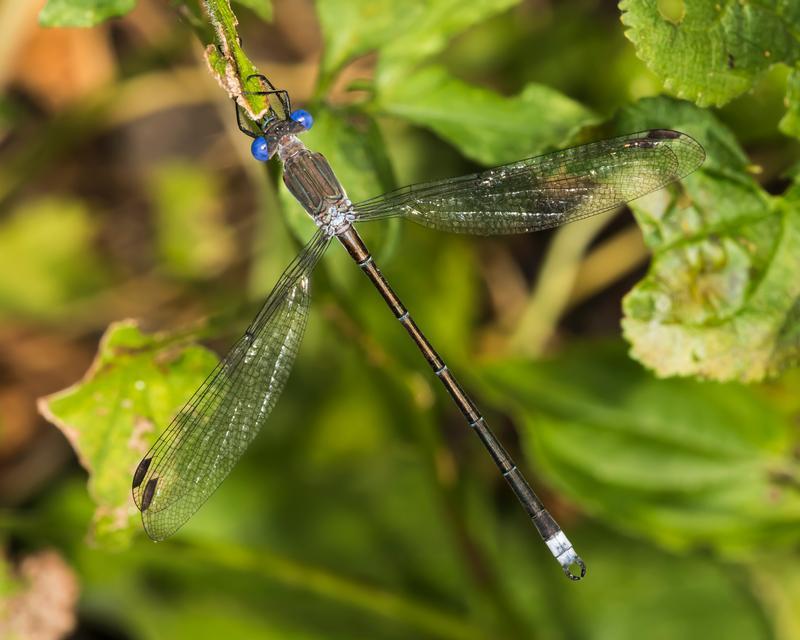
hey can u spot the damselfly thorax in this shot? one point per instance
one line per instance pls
(310, 179)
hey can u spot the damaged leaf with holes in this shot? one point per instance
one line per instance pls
(113, 415)
(720, 299)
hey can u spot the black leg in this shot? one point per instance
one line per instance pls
(242, 128)
(282, 94)
(263, 79)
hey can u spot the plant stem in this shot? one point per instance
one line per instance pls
(556, 279)
(226, 59)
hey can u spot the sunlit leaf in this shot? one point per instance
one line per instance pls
(430, 32)
(482, 124)
(711, 52)
(686, 464)
(193, 238)
(114, 414)
(351, 28)
(720, 299)
(82, 13)
(49, 244)
(404, 32)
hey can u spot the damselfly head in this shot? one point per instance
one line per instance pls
(274, 130)
(277, 124)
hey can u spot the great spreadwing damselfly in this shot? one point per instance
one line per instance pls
(210, 433)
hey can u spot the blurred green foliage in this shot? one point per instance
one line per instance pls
(682, 473)
(365, 509)
(82, 13)
(193, 239)
(50, 268)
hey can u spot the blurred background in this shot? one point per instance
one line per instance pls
(364, 508)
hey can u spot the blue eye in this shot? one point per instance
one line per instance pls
(303, 117)
(260, 149)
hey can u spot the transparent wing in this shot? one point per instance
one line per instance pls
(546, 191)
(211, 432)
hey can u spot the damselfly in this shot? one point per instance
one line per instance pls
(211, 432)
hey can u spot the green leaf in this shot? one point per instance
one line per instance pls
(712, 52)
(262, 8)
(193, 239)
(720, 299)
(430, 32)
(482, 124)
(49, 244)
(404, 32)
(82, 13)
(687, 464)
(113, 415)
(790, 123)
(351, 28)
